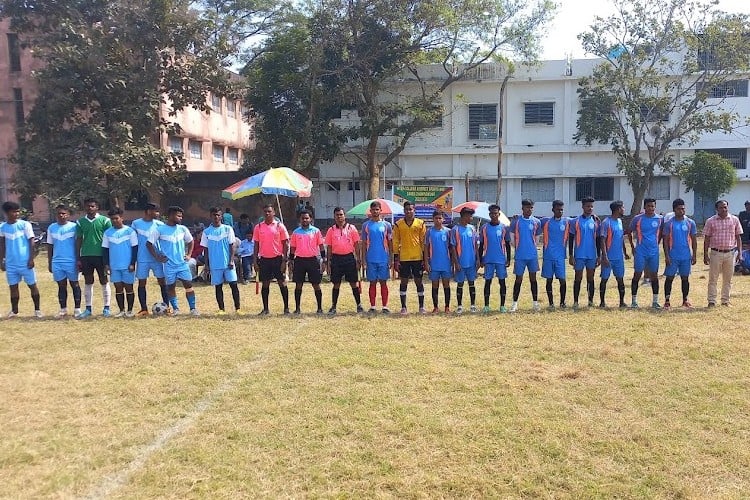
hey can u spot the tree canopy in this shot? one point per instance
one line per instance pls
(660, 83)
(375, 53)
(108, 67)
(707, 173)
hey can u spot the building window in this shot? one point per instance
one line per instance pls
(231, 111)
(244, 110)
(601, 188)
(18, 103)
(482, 121)
(539, 113)
(233, 156)
(216, 102)
(136, 201)
(736, 156)
(14, 52)
(353, 186)
(334, 185)
(733, 88)
(196, 149)
(175, 144)
(538, 190)
(659, 189)
(653, 114)
(219, 154)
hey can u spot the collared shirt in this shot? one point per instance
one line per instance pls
(306, 242)
(408, 241)
(342, 240)
(91, 232)
(270, 239)
(723, 232)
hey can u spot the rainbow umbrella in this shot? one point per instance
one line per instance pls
(282, 181)
(387, 207)
(481, 210)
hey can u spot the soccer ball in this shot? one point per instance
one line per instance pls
(159, 309)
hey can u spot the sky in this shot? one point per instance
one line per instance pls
(575, 16)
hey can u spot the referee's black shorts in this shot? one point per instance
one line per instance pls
(343, 266)
(270, 268)
(306, 266)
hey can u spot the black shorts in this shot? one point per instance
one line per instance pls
(269, 269)
(91, 263)
(410, 269)
(344, 266)
(306, 266)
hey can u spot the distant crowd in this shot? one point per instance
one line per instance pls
(230, 253)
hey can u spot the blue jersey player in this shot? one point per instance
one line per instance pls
(613, 253)
(61, 259)
(646, 229)
(171, 244)
(680, 251)
(583, 247)
(218, 241)
(17, 256)
(119, 254)
(437, 260)
(555, 232)
(525, 230)
(464, 255)
(146, 263)
(377, 248)
(494, 255)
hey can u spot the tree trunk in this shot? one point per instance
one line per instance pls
(639, 193)
(374, 180)
(500, 115)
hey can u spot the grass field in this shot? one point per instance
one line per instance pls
(592, 403)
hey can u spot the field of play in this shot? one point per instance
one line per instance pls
(593, 403)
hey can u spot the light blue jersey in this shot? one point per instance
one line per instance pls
(493, 240)
(171, 242)
(120, 243)
(375, 238)
(436, 249)
(63, 241)
(144, 229)
(218, 242)
(17, 245)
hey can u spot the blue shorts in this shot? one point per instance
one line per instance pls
(682, 266)
(581, 264)
(553, 268)
(172, 274)
(616, 267)
(492, 269)
(439, 275)
(65, 271)
(466, 274)
(648, 262)
(121, 276)
(225, 275)
(521, 265)
(377, 271)
(16, 274)
(142, 269)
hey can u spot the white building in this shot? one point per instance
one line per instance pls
(541, 160)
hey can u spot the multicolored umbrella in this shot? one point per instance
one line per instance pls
(481, 210)
(387, 207)
(282, 181)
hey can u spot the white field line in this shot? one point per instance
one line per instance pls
(113, 482)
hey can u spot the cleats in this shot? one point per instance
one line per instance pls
(106, 312)
(264, 312)
(422, 310)
(514, 308)
(142, 313)
(435, 310)
(404, 312)
(360, 309)
(503, 309)
(687, 305)
(332, 311)
(84, 314)
(460, 310)
(385, 310)
(486, 310)
(473, 308)
(62, 314)
(11, 315)
(38, 314)
(129, 314)
(536, 307)
(194, 312)
(120, 314)
(221, 312)
(667, 305)
(655, 305)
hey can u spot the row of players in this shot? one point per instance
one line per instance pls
(106, 246)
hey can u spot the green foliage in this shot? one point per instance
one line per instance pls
(653, 90)
(370, 57)
(108, 68)
(707, 173)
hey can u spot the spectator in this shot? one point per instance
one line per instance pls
(243, 226)
(245, 253)
(722, 246)
(227, 217)
(744, 217)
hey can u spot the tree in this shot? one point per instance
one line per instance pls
(108, 67)
(378, 51)
(707, 173)
(292, 91)
(667, 69)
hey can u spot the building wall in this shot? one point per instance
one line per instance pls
(230, 135)
(534, 155)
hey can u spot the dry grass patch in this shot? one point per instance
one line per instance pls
(590, 403)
